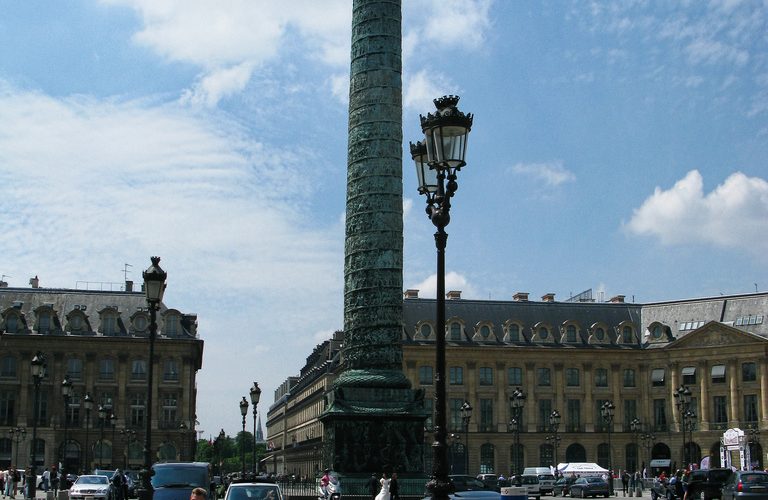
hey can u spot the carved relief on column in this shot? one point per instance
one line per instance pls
(733, 394)
(674, 380)
(704, 381)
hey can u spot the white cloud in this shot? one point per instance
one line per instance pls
(453, 281)
(454, 23)
(218, 84)
(552, 173)
(424, 86)
(733, 215)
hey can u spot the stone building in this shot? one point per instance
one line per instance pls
(570, 356)
(99, 340)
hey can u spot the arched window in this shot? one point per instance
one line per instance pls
(102, 452)
(627, 335)
(517, 458)
(575, 453)
(570, 333)
(547, 455)
(604, 455)
(426, 330)
(514, 333)
(485, 331)
(455, 330)
(167, 451)
(486, 458)
(543, 332)
(631, 452)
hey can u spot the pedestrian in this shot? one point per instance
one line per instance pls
(118, 480)
(373, 486)
(324, 481)
(55, 481)
(624, 481)
(46, 478)
(8, 482)
(198, 494)
(384, 492)
(394, 488)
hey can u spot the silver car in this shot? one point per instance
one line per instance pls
(253, 491)
(90, 487)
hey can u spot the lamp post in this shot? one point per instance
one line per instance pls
(607, 412)
(219, 444)
(518, 402)
(753, 436)
(17, 435)
(439, 157)
(648, 439)
(687, 418)
(102, 412)
(554, 438)
(154, 286)
(466, 416)
(38, 369)
(636, 427)
(113, 423)
(255, 395)
(129, 436)
(243, 412)
(66, 392)
(88, 405)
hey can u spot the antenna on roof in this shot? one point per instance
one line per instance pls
(125, 271)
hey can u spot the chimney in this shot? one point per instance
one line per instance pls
(411, 293)
(3, 284)
(128, 285)
(617, 299)
(453, 295)
(35, 282)
(520, 297)
(548, 297)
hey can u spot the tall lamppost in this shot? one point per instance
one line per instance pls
(636, 426)
(518, 403)
(17, 435)
(607, 412)
(439, 157)
(255, 395)
(88, 405)
(38, 368)
(243, 412)
(514, 427)
(113, 423)
(554, 438)
(129, 437)
(466, 416)
(219, 444)
(753, 439)
(154, 286)
(102, 412)
(687, 417)
(648, 439)
(66, 392)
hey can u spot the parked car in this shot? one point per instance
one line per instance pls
(491, 481)
(562, 486)
(463, 482)
(746, 485)
(707, 484)
(590, 486)
(176, 480)
(253, 491)
(669, 489)
(546, 478)
(90, 487)
(528, 481)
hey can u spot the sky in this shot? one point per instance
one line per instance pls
(620, 147)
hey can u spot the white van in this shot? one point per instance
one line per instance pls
(546, 479)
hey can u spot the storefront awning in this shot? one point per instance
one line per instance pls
(689, 370)
(718, 371)
(660, 462)
(657, 375)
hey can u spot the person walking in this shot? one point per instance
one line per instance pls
(373, 486)
(384, 492)
(624, 481)
(394, 487)
(46, 478)
(55, 481)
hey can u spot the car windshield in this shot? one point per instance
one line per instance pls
(180, 477)
(92, 480)
(529, 480)
(754, 478)
(252, 492)
(594, 480)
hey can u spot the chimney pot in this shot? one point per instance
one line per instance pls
(35, 282)
(548, 297)
(617, 299)
(411, 293)
(453, 295)
(128, 285)
(520, 297)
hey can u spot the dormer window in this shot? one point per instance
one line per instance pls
(543, 332)
(485, 331)
(109, 321)
(455, 330)
(425, 330)
(12, 323)
(109, 325)
(570, 334)
(140, 323)
(514, 332)
(172, 326)
(44, 322)
(627, 336)
(599, 333)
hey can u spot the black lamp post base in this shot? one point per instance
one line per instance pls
(31, 481)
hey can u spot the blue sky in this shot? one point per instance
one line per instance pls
(617, 146)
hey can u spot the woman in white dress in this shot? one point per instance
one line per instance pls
(384, 493)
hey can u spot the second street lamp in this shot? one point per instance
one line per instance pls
(518, 403)
(438, 159)
(636, 426)
(255, 395)
(88, 405)
(466, 416)
(17, 435)
(243, 412)
(554, 438)
(66, 392)
(38, 367)
(102, 411)
(607, 412)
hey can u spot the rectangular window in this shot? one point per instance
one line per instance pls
(169, 420)
(170, 370)
(486, 415)
(573, 424)
(689, 375)
(138, 369)
(515, 375)
(657, 377)
(42, 407)
(73, 410)
(106, 369)
(545, 410)
(572, 377)
(718, 374)
(750, 408)
(138, 409)
(454, 409)
(486, 375)
(456, 375)
(429, 408)
(7, 408)
(629, 378)
(75, 369)
(601, 377)
(748, 372)
(8, 367)
(659, 415)
(544, 377)
(425, 375)
(630, 413)
(720, 410)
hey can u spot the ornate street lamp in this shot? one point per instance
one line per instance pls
(129, 437)
(243, 412)
(255, 395)
(687, 418)
(66, 392)
(38, 369)
(88, 405)
(607, 412)
(102, 412)
(554, 438)
(154, 286)
(17, 435)
(438, 159)
(113, 424)
(218, 445)
(466, 416)
(648, 439)
(636, 426)
(518, 403)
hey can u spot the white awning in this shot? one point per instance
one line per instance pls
(660, 462)
(718, 371)
(689, 370)
(657, 375)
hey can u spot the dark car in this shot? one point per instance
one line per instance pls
(176, 480)
(589, 487)
(669, 489)
(752, 485)
(562, 486)
(707, 484)
(467, 483)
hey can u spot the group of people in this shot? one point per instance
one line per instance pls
(630, 481)
(385, 488)
(13, 480)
